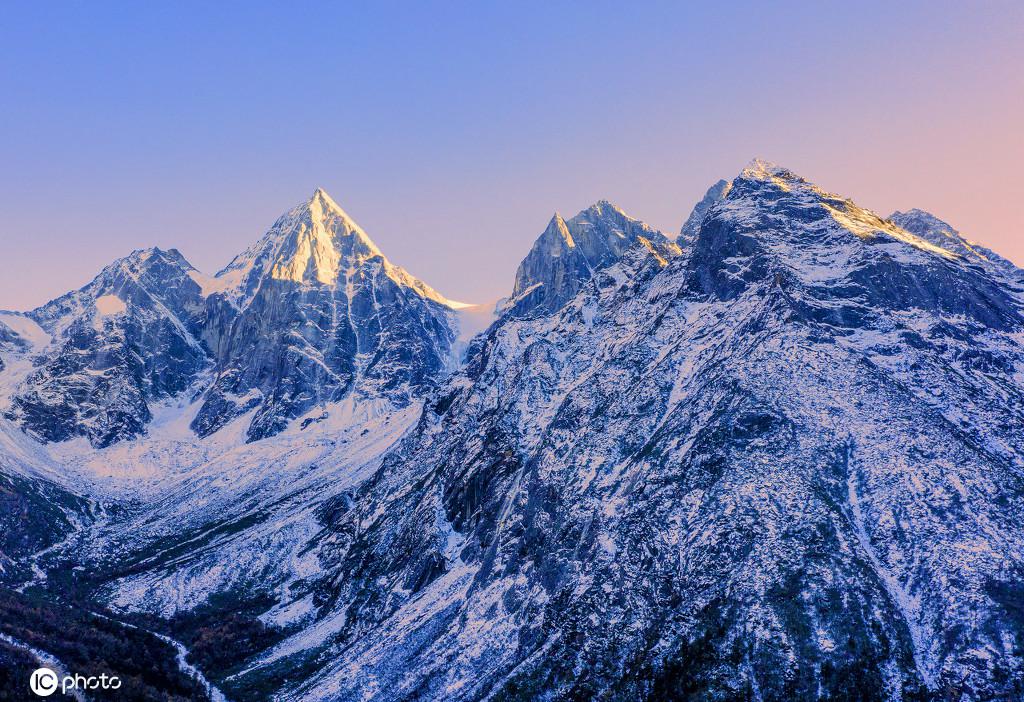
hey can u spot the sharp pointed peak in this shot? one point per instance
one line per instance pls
(714, 194)
(557, 225)
(720, 186)
(321, 200)
(321, 195)
(322, 208)
(558, 230)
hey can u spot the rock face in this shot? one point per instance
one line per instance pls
(129, 337)
(322, 315)
(784, 461)
(716, 193)
(313, 312)
(9, 340)
(566, 255)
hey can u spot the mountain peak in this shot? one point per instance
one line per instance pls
(333, 220)
(942, 234)
(556, 236)
(322, 202)
(761, 171)
(568, 252)
(760, 168)
(921, 222)
(602, 208)
(313, 243)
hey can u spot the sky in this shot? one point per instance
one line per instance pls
(452, 131)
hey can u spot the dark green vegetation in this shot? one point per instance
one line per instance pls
(222, 634)
(89, 645)
(33, 515)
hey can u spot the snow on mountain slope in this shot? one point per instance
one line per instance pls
(930, 227)
(308, 244)
(27, 331)
(309, 314)
(204, 531)
(785, 463)
(40, 505)
(20, 339)
(716, 193)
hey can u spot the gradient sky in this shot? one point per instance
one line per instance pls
(452, 132)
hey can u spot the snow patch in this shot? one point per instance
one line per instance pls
(110, 304)
(26, 328)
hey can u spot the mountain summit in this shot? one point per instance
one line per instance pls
(314, 243)
(568, 252)
(128, 338)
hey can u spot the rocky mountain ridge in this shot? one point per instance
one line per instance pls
(779, 459)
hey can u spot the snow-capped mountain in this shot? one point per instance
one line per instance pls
(322, 315)
(310, 314)
(934, 230)
(781, 460)
(129, 337)
(716, 193)
(566, 255)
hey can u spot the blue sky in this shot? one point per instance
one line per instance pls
(452, 131)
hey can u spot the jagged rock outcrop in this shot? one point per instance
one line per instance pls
(716, 193)
(568, 253)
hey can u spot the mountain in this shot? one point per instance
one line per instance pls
(934, 230)
(785, 464)
(129, 337)
(567, 253)
(780, 460)
(310, 314)
(322, 315)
